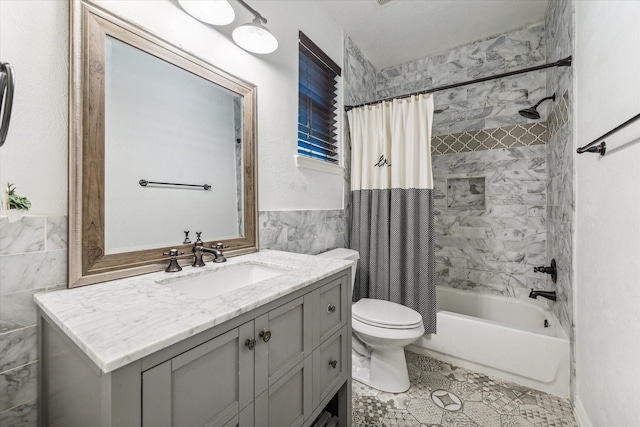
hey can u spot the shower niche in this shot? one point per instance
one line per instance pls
(466, 193)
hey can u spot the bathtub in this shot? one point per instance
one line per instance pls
(516, 339)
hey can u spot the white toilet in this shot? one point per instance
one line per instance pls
(381, 331)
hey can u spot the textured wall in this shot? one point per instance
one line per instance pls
(33, 258)
(34, 39)
(486, 105)
(607, 249)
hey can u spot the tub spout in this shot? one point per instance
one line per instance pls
(550, 295)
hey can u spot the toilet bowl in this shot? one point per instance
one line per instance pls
(381, 330)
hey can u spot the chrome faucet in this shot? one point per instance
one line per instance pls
(199, 250)
(550, 295)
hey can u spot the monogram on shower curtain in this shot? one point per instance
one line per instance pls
(392, 203)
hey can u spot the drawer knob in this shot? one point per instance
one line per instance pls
(333, 363)
(250, 343)
(331, 308)
(265, 335)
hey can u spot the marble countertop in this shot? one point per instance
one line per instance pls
(118, 322)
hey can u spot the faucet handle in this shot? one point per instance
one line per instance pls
(173, 253)
(186, 238)
(198, 239)
(173, 262)
(220, 246)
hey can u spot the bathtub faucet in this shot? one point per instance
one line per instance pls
(550, 295)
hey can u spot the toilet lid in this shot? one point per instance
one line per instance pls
(385, 314)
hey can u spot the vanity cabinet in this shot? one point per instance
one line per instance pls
(278, 365)
(207, 385)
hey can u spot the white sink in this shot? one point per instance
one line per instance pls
(218, 282)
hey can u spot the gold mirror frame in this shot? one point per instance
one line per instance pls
(87, 261)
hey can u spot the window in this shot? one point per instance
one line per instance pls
(317, 99)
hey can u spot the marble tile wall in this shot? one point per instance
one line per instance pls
(559, 33)
(492, 249)
(359, 76)
(302, 231)
(359, 82)
(486, 105)
(33, 258)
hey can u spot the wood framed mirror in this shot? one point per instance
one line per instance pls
(160, 142)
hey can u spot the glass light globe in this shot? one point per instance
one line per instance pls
(214, 12)
(255, 38)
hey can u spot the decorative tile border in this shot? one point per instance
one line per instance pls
(559, 116)
(489, 139)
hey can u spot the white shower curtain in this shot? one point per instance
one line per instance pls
(392, 203)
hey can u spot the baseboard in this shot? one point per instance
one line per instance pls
(581, 415)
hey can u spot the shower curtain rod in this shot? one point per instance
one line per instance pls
(566, 62)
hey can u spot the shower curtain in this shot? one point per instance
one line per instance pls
(392, 203)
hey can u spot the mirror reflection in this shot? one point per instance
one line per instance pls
(165, 124)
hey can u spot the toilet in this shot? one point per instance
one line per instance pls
(381, 330)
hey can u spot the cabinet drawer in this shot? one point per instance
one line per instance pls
(331, 361)
(333, 309)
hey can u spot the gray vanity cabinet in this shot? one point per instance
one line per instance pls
(187, 389)
(279, 365)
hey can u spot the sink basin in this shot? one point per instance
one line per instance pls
(218, 282)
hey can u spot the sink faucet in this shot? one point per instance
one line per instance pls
(199, 250)
(550, 295)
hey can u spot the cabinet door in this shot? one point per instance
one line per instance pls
(283, 341)
(207, 385)
(287, 402)
(330, 365)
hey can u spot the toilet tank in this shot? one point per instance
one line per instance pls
(346, 254)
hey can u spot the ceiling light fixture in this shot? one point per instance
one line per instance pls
(254, 36)
(214, 12)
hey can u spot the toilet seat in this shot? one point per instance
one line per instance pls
(385, 314)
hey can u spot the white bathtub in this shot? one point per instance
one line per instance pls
(500, 336)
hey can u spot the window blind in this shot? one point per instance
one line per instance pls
(317, 99)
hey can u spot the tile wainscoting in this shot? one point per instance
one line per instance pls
(33, 258)
(302, 231)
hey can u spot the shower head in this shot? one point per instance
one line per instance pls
(532, 112)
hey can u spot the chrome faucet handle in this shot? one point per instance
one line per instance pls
(186, 238)
(220, 246)
(198, 239)
(173, 261)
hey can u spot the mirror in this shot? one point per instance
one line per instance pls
(161, 142)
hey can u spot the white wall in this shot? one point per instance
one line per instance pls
(607, 298)
(34, 38)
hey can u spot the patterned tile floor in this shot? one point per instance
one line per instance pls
(443, 395)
